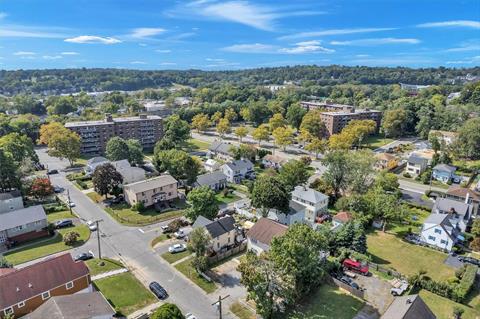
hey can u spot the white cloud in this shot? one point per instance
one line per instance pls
(69, 53)
(2, 15)
(453, 23)
(168, 63)
(19, 31)
(460, 62)
(52, 57)
(24, 53)
(413, 60)
(322, 33)
(214, 60)
(251, 48)
(362, 55)
(146, 32)
(306, 47)
(378, 41)
(163, 51)
(93, 39)
(138, 62)
(297, 48)
(471, 45)
(143, 44)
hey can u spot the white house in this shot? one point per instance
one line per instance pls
(93, 163)
(437, 230)
(262, 233)
(211, 165)
(237, 170)
(221, 150)
(129, 173)
(416, 164)
(314, 202)
(459, 212)
(215, 180)
(10, 201)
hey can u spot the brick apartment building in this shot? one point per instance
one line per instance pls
(148, 129)
(25, 289)
(329, 107)
(336, 121)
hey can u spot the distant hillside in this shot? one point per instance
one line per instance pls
(58, 81)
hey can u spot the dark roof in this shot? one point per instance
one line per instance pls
(415, 159)
(210, 178)
(408, 307)
(10, 195)
(78, 306)
(447, 204)
(220, 147)
(221, 226)
(45, 275)
(239, 164)
(265, 230)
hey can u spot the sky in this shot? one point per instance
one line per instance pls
(237, 34)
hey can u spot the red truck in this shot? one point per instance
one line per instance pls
(355, 266)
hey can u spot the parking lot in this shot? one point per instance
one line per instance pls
(376, 291)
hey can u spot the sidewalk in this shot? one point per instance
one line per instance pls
(147, 310)
(110, 273)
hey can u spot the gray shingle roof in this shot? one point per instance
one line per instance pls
(210, 178)
(220, 147)
(308, 194)
(22, 216)
(201, 222)
(446, 204)
(416, 159)
(240, 164)
(408, 307)
(151, 183)
(445, 168)
(97, 159)
(10, 195)
(437, 219)
(221, 226)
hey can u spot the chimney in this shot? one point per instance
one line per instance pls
(108, 117)
(30, 285)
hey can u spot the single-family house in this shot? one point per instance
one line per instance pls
(416, 164)
(221, 150)
(273, 161)
(222, 232)
(211, 165)
(459, 212)
(90, 305)
(159, 189)
(25, 289)
(385, 161)
(10, 201)
(93, 163)
(340, 219)
(23, 224)
(466, 195)
(444, 173)
(437, 230)
(408, 307)
(262, 233)
(129, 173)
(314, 202)
(238, 170)
(215, 180)
(444, 136)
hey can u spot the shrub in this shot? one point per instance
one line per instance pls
(466, 284)
(138, 207)
(464, 184)
(407, 175)
(175, 225)
(167, 311)
(306, 160)
(71, 238)
(200, 263)
(475, 244)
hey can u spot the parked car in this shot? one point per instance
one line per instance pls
(399, 288)
(84, 256)
(469, 260)
(355, 266)
(179, 234)
(349, 282)
(165, 229)
(71, 204)
(177, 248)
(158, 290)
(63, 223)
(58, 189)
(350, 274)
(190, 316)
(52, 172)
(92, 225)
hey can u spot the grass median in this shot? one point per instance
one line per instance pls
(171, 258)
(185, 267)
(108, 265)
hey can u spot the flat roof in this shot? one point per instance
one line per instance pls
(351, 113)
(115, 120)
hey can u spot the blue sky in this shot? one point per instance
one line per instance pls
(237, 34)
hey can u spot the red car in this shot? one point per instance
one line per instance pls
(355, 266)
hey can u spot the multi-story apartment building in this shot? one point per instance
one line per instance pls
(148, 129)
(329, 107)
(336, 121)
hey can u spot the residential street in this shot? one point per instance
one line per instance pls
(132, 246)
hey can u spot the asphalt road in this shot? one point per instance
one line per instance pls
(132, 246)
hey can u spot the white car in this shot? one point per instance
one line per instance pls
(71, 204)
(179, 234)
(177, 248)
(190, 316)
(92, 225)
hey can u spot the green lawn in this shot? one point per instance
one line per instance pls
(376, 141)
(186, 268)
(64, 214)
(171, 258)
(125, 293)
(125, 215)
(222, 199)
(389, 250)
(401, 229)
(327, 302)
(109, 265)
(159, 239)
(241, 311)
(195, 144)
(239, 188)
(50, 246)
(96, 197)
(443, 307)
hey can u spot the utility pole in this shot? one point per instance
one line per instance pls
(48, 175)
(98, 237)
(219, 304)
(69, 202)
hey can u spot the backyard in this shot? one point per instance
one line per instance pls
(197, 145)
(327, 302)
(125, 293)
(185, 267)
(222, 199)
(376, 141)
(443, 307)
(408, 259)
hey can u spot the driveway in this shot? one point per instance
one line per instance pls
(453, 261)
(377, 291)
(416, 199)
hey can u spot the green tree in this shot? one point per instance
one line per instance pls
(106, 179)
(135, 152)
(277, 121)
(393, 123)
(270, 193)
(202, 202)
(230, 114)
(117, 149)
(176, 130)
(178, 164)
(283, 136)
(244, 151)
(4, 263)
(293, 173)
(317, 146)
(8, 172)
(65, 144)
(60, 105)
(261, 133)
(388, 182)
(198, 240)
(223, 127)
(70, 238)
(241, 132)
(19, 146)
(476, 227)
(167, 311)
(295, 114)
(216, 117)
(200, 122)
(313, 124)
(28, 104)
(468, 141)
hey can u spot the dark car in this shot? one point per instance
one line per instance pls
(63, 223)
(349, 282)
(58, 189)
(158, 290)
(52, 171)
(469, 260)
(84, 256)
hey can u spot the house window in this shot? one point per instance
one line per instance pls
(431, 238)
(443, 241)
(8, 311)
(218, 245)
(20, 227)
(45, 295)
(21, 304)
(438, 231)
(229, 240)
(69, 285)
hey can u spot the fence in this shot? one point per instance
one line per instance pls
(385, 270)
(221, 256)
(356, 292)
